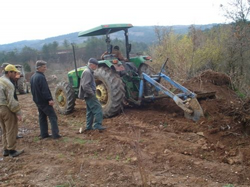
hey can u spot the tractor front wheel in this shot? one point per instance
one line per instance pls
(110, 91)
(64, 98)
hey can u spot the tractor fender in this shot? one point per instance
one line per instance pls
(115, 66)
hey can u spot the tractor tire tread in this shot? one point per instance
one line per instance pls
(70, 97)
(116, 90)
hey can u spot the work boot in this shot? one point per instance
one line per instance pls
(6, 152)
(57, 136)
(86, 130)
(43, 137)
(14, 153)
(100, 128)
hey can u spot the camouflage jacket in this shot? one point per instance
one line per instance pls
(87, 85)
(7, 95)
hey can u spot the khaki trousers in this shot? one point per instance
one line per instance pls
(9, 126)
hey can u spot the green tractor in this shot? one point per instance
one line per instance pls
(119, 83)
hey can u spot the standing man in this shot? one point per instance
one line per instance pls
(10, 112)
(87, 92)
(44, 101)
(14, 82)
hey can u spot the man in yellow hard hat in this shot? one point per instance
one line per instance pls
(10, 112)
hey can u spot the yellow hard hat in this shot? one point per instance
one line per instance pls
(10, 67)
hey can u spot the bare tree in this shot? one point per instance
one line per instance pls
(236, 10)
(238, 45)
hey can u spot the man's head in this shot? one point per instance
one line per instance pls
(116, 48)
(11, 71)
(41, 66)
(93, 63)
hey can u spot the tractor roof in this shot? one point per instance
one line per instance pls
(104, 29)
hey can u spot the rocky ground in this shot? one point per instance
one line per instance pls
(152, 145)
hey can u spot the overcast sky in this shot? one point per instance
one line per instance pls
(39, 19)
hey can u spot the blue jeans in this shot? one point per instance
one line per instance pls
(44, 112)
(94, 111)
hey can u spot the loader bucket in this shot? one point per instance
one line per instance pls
(197, 111)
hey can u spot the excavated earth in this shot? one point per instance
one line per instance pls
(153, 145)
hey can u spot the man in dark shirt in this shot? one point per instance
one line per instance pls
(87, 92)
(44, 101)
(116, 52)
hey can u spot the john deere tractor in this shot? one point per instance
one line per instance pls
(121, 82)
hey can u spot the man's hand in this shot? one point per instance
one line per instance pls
(19, 117)
(51, 103)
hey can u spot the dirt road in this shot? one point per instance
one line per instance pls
(150, 146)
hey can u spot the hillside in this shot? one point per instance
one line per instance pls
(144, 34)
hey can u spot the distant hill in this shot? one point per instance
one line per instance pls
(144, 34)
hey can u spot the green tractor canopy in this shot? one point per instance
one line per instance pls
(105, 29)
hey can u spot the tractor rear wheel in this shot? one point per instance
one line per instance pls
(64, 97)
(148, 88)
(110, 91)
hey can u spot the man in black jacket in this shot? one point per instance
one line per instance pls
(44, 101)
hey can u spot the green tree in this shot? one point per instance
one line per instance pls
(27, 67)
(54, 47)
(49, 51)
(95, 47)
(2, 56)
(66, 44)
(45, 52)
(28, 54)
(12, 57)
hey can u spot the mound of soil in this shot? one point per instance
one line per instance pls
(153, 145)
(210, 81)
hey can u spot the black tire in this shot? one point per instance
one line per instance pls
(149, 89)
(21, 86)
(64, 98)
(110, 91)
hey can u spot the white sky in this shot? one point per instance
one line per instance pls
(39, 19)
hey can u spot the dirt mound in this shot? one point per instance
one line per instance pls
(223, 111)
(216, 78)
(226, 102)
(211, 81)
